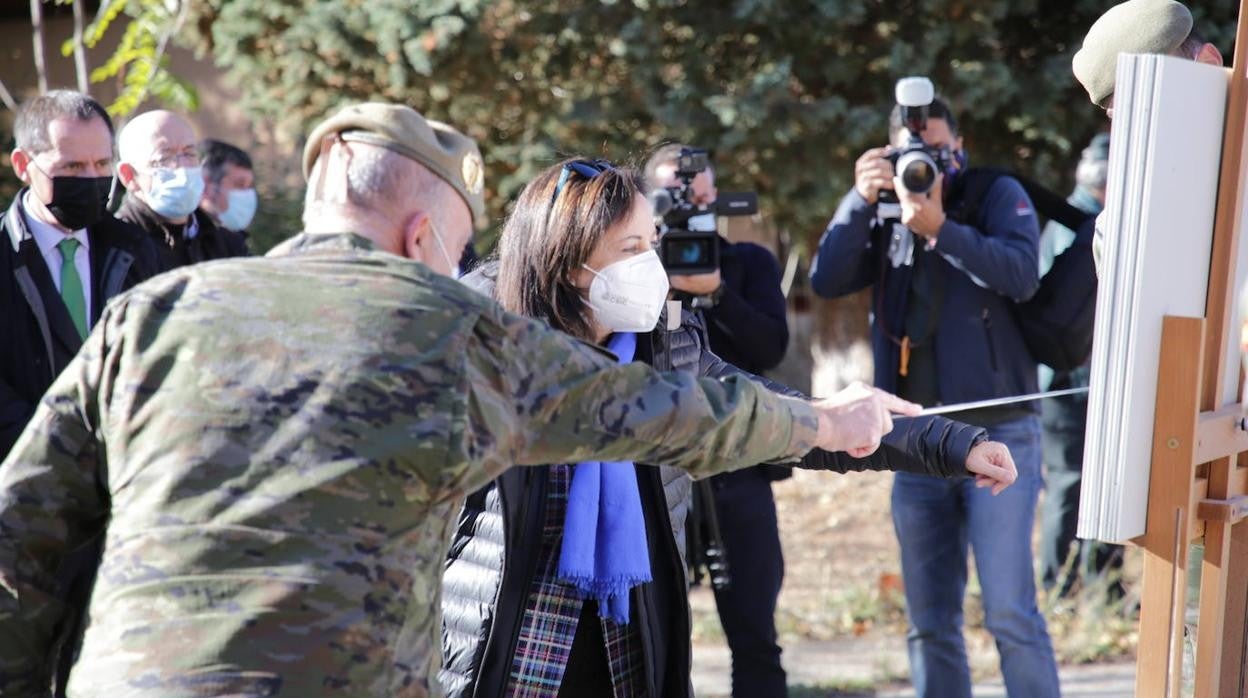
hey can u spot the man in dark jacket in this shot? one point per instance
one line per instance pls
(62, 255)
(62, 258)
(746, 322)
(945, 273)
(229, 185)
(497, 541)
(159, 166)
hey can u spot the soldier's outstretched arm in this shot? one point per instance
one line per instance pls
(538, 396)
(51, 501)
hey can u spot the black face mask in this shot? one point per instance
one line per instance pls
(79, 202)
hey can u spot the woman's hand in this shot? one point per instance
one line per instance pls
(992, 465)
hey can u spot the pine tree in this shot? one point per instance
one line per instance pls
(788, 92)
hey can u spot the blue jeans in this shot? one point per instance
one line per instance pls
(935, 521)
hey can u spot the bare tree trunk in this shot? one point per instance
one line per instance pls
(36, 23)
(7, 97)
(80, 51)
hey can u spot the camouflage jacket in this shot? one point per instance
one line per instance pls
(274, 450)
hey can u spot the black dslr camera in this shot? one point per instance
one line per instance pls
(916, 163)
(688, 235)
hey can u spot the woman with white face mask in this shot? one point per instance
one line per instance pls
(569, 580)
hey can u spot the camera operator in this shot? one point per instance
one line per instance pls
(946, 272)
(745, 317)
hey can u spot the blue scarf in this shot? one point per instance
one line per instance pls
(604, 552)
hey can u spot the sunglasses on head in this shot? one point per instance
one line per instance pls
(585, 168)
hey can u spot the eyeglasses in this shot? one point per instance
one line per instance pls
(585, 168)
(187, 157)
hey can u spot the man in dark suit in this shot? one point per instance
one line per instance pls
(61, 255)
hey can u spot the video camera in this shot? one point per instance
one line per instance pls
(688, 234)
(916, 163)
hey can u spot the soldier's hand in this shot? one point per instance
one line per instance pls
(856, 419)
(872, 173)
(923, 213)
(992, 465)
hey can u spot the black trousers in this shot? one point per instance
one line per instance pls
(747, 608)
(588, 674)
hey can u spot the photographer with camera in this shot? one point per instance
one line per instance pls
(744, 310)
(947, 267)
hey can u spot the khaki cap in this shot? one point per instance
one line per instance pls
(1135, 26)
(446, 152)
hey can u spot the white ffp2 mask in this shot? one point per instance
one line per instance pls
(628, 296)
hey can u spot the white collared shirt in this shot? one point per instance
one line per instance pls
(47, 238)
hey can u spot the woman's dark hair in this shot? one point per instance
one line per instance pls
(550, 235)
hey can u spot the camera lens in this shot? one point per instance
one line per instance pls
(689, 252)
(917, 171)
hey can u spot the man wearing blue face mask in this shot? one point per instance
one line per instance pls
(160, 169)
(229, 185)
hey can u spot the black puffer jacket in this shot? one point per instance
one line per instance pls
(494, 554)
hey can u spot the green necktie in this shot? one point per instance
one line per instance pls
(71, 285)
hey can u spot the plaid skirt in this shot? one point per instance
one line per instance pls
(551, 615)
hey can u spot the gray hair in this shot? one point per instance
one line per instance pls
(386, 182)
(30, 130)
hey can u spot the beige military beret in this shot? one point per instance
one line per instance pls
(446, 152)
(1135, 26)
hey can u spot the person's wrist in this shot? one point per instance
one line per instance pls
(826, 430)
(933, 234)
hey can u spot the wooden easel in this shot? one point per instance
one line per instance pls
(1198, 486)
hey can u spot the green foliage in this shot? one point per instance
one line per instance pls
(138, 64)
(789, 92)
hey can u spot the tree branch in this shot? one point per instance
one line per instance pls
(80, 54)
(7, 97)
(36, 22)
(183, 10)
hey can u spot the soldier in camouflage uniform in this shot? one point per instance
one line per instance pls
(274, 448)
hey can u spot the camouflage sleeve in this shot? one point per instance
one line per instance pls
(539, 396)
(52, 499)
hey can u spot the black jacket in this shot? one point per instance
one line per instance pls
(979, 350)
(39, 338)
(748, 327)
(494, 554)
(174, 250)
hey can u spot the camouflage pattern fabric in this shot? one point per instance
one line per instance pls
(275, 450)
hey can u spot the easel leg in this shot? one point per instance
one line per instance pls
(1234, 679)
(1170, 510)
(1159, 658)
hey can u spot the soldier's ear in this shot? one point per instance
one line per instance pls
(417, 239)
(1209, 54)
